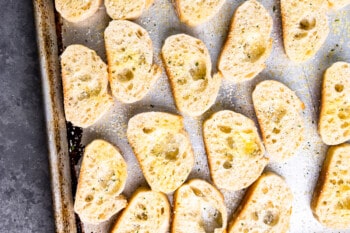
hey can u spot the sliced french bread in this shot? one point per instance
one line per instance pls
(163, 149)
(199, 207)
(102, 178)
(331, 200)
(194, 13)
(188, 65)
(85, 81)
(334, 124)
(77, 10)
(279, 110)
(235, 151)
(266, 207)
(148, 211)
(305, 27)
(248, 44)
(130, 60)
(126, 9)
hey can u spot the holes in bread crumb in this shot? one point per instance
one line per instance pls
(270, 219)
(172, 154)
(225, 129)
(276, 131)
(345, 125)
(148, 130)
(227, 165)
(125, 76)
(300, 35)
(339, 87)
(197, 192)
(307, 24)
(255, 48)
(89, 198)
(198, 71)
(265, 190)
(342, 115)
(130, 86)
(181, 81)
(139, 34)
(274, 141)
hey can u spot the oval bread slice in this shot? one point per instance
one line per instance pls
(305, 27)
(102, 178)
(188, 65)
(147, 212)
(334, 124)
(85, 81)
(235, 151)
(331, 199)
(278, 110)
(248, 44)
(162, 148)
(199, 207)
(266, 207)
(126, 9)
(338, 4)
(194, 13)
(77, 10)
(130, 57)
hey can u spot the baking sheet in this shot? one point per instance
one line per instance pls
(301, 172)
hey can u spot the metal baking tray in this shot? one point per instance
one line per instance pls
(66, 143)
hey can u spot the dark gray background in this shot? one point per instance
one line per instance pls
(24, 174)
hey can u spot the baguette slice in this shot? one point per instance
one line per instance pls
(85, 81)
(148, 211)
(188, 65)
(77, 10)
(199, 207)
(334, 124)
(338, 4)
(248, 43)
(194, 13)
(130, 57)
(278, 110)
(266, 207)
(331, 200)
(162, 148)
(126, 9)
(235, 151)
(305, 27)
(102, 178)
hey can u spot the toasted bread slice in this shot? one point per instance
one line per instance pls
(102, 178)
(278, 110)
(338, 4)
(188, 65)
(77, 10)
(162, 148)
(235, 151)
(130, 57)
(266, 207)
(199, 207)
(331, 199)
(248, 44)
(122, 9)
(148, 211)
(305, 27)
(194, 13)
(85, 81)
(334, 124)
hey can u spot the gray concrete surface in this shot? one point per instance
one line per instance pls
(25, 194)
